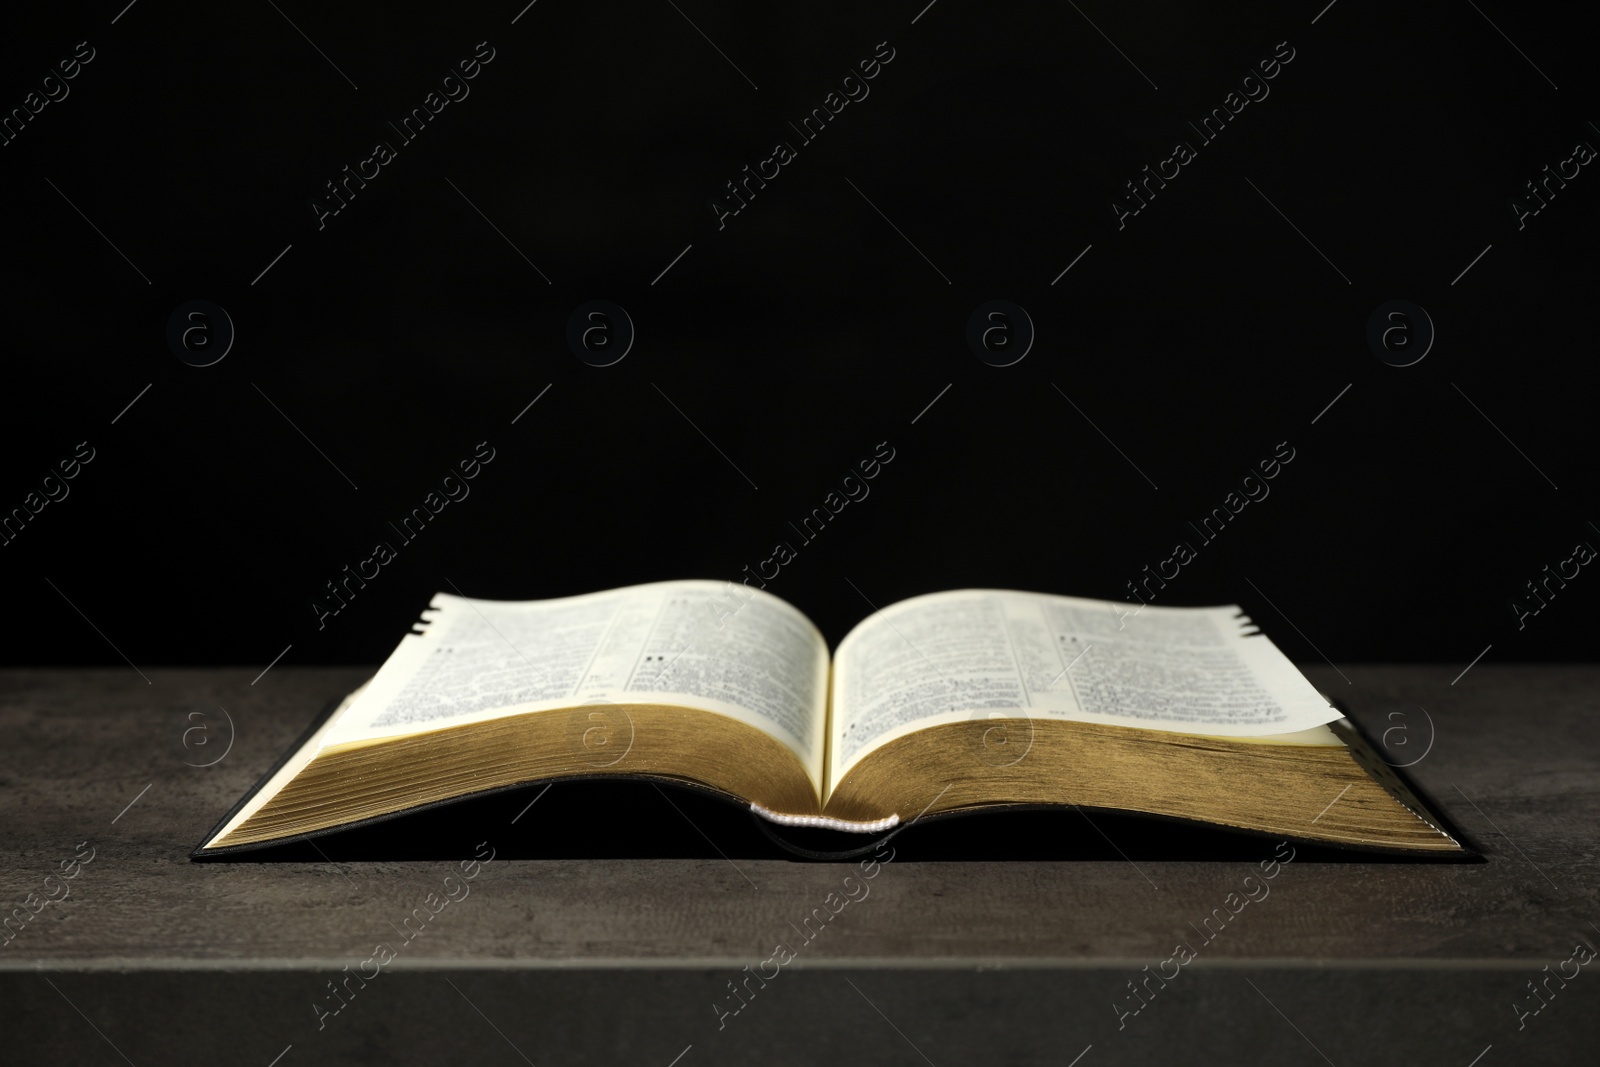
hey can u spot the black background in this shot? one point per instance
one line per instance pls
(808, 329)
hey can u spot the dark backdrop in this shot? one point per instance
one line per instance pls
(779, 350)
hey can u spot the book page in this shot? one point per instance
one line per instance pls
(978, 653)
(745, 654)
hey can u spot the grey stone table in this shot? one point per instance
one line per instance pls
(142, 956)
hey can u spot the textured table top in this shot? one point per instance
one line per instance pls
(1511, 754)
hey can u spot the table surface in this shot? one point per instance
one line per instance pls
(1512, 757)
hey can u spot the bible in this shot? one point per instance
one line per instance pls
(960, 701)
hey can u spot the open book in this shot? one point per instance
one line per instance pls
(947, 702)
